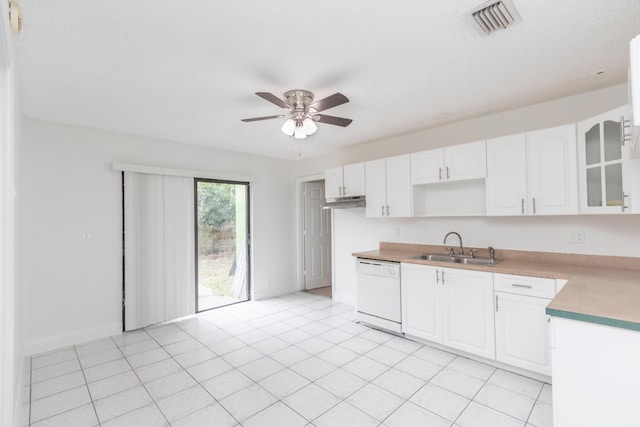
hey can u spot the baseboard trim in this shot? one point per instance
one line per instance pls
(344, 298)
(271, 293)
(71, 338)
(525, 373)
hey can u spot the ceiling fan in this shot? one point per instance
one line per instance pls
(303, 112)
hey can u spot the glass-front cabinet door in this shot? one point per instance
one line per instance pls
(603, 154)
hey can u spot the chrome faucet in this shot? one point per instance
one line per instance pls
(459, 238)
(492, 254)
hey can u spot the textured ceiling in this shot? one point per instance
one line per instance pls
(186, 71)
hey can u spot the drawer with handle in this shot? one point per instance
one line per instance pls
(524, 285)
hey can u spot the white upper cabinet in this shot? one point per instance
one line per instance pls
(506, 175)
(399, 186)
(376, 187)
(426, 166)
(344, 181)
(533, 173)
(388, 187)
(466, 161)
(605, 167)
(333, 182)
(551, 161)
(454, 163)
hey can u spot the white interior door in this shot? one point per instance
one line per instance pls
(316, 237)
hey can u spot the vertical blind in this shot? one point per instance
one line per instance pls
(159, 248)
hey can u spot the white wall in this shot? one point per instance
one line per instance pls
(73, 287)
(610, 235)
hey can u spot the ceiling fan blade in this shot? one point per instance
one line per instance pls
(255, 119)
(273, 99)
(329, 102)
(332, 120)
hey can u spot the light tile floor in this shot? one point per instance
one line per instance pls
(296, 360)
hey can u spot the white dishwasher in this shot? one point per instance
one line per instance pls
(379, 294)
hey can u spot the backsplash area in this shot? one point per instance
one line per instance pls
(603, 234)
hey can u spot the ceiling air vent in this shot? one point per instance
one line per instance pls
(493, 16)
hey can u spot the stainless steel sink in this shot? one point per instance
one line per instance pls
(479, 261)
(456, 259)
(437, 257)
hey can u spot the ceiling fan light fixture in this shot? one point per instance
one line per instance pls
(309, 126)
(289, 127)
(299, 133)
(302, 117)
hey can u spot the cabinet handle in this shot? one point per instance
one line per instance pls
(439, 174)
(497, 306)
(382, 213)
(624, 136)
(387, 210)
(534, 205)
(344, 190)
(522, 205)
(517, 285)
(623, 207)
(548, 319)
(447, 172)
(437, 277)
(443, 277)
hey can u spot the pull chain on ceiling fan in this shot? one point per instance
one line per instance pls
(303, 112)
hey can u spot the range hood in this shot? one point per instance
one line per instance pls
(345, 202)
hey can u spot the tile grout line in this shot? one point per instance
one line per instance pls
(290, 322)
(474, 396)
(63, 391)
(151, 337)
(512, 391)
(254, 382)
(341, 400)
(87, 385)
(141, 383)
(427, 382)
(537, 399)
(188, 373)
(285, 367)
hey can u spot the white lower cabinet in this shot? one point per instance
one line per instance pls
(496, 316)
(522, 326)
(450, 306)
(522, 332)
(467, 311)
(421, 302)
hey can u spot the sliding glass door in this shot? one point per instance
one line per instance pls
(222, 243)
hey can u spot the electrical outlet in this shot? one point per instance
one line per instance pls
(576, 237)
(396, 231)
